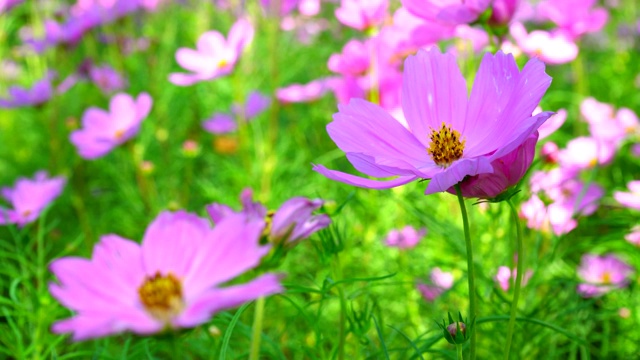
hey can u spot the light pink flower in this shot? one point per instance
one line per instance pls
(602, 274)
(586, 152)
(634, 236)
(312, 91)
(171, 280)
(406, 238)
(440, 282)
(354, 59)
(629, 199)
(554, 123)
(29, 197)
(102, 131)
(448, 11)
(215, 56)
(552, 48)
(505, 275)
(362, 14)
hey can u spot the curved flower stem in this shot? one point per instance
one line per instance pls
(256, 333)
(470, 270)
(519, 274)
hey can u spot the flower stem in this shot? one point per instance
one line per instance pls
(257, 329)
(459, 351)
(519, 274)
(470, 270)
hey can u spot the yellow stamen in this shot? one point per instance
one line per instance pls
(162, 296)
(445, 146)
(119, 134)
(606, 278)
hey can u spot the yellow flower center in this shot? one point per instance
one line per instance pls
(119, 134)
(445, 146)
(268, 223)
(606, 278)
(162, 296)
(222, 63)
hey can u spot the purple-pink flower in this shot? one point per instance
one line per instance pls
(602, 274)
(102, 131)
(441, 281)
(107, 79)
(362, 14)
(221, 123)
(39, 93)
(505, 275)
(450, 135)
(29, 197)
(550, 47)
(406, 238)
(214, 56)
(312, 91)
(171, 280)
(448, 11)
(574, 17)
(629, 199)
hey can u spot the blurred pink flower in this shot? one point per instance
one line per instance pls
(107, 79)
(312, 91)
(292, 222)
(629, 199)
(215, 56)
(503, 11)
(6, 5)
(504, 276)
(39, 93)
(29, 197)
(554, 123)
(574, 17)
(102, 131)
(286, 6)
(552, 48)
(448, 11)
(606, 125)
(452, 127)
(440, 282)
(171, 280)
(221, 123)
(354, 59)
(362, 14)
(468, 41)
(586, 152)
(406, 238)
(601, 274)
(634, 236)
(549, 152)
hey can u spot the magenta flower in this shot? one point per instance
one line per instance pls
(503, 11)
(504, 276)
(406, 238)
(440, 282)
(171, 280)
(362, 14)
(215, 56)
(221, 123)
(354, 59)
(292, 222)
(102, 131)
(450, 135)
(6, 5)
(29, 197)
(629, 199)
(574, 17)
(107, 79)
(601, 274)
(39, 93)
(448, 11)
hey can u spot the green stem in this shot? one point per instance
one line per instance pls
(459, 351)
(256, 334)
(519, 274)
(471, 272)
(337, 274)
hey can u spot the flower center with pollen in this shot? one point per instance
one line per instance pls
(162, 296)
(445, 146)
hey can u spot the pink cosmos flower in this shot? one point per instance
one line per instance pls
(6, 5)
(29, 197)
(607, 125)
(362, 14)
(449, 11)
(549, 152)
(354, 59)
(312, 91)
(215, 56)
(586, 152)
(553, 124)
(634, 236)
(440, 282)
(171, 280)
(286, 6)
(550, 47)
(406, 238)
(503, 11)
(107, 79)
(102, 131)
(504, 276)
(574, 17)
(601, 274)
(221, 123)
(450, 135)
(39, 93)
(293, 222)
(629, 199)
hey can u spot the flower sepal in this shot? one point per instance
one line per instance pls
(457, 332)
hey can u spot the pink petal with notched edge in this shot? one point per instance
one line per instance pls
(552, 124)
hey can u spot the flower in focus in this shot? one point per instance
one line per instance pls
(406, 238)
(362, 14)
(601, 274)
(449, 135)
(504, 276)
(292, 222)
(215, 56)
(221, 123)
(448, 11)
(29, 197)
(171, 280)
(440, 282)
(629, 199)
(39, 93)
(102, 131)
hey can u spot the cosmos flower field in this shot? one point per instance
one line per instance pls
(319, 179)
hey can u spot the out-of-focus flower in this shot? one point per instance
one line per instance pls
(221, 123)
(441, 281)
(504, 276)
(190, 148)
(171, 280)
(607, 125)
(286, 6)
(102, 131)
(634, 236)
(629, 199)
(549, 152)
(552, 48)
(586, 152)
(312, 91)
(29, 197)
(6, 5)
(362, 14)
(601, 274)
(215, 56)
(448, 11)
(292, 222)
(574, 17)
(39, 93)
(107, 79)
(406, 238)
(353, 61)
(554, 123)
(503, 11)
(468, 41)
(453, 128)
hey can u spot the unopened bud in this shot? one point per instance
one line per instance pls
(453, 329)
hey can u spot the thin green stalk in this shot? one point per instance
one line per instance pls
(256, 333)
(337, 274)
(519, 274)
(470, 270)
(459, 351)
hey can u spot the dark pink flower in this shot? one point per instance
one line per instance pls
(448, 11)
(362, 14)
(503, 11)
(29, 197)
(450, 135)
(215, 56)
(102, 131)
(171, 280)
(39, 93)
(602, 274)
(629, 199)
(354, 59)
(406, 238)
